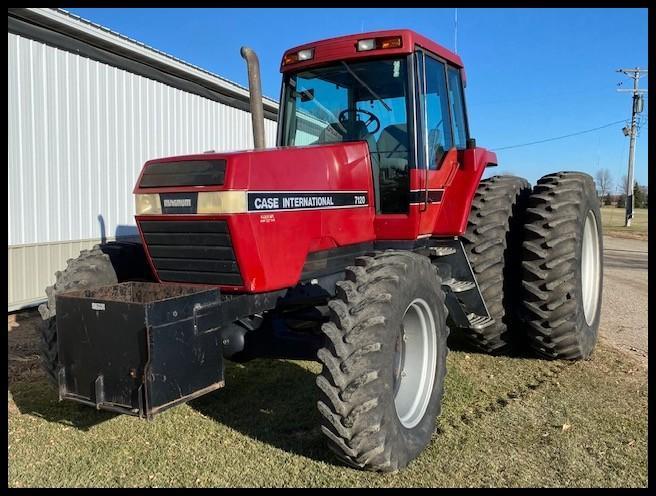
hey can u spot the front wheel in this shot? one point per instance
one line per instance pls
(384, 364)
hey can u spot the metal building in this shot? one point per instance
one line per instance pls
(86, 108)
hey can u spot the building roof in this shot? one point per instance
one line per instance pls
(84, 30)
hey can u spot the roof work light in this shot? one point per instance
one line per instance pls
(379, 43)
(300, 56)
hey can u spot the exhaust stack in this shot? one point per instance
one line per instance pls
(255, 96)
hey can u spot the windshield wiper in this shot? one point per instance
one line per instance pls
(366, 86)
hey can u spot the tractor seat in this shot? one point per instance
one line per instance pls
(332, 133)
(393, 147)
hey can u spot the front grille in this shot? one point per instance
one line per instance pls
(184, 173)
(192, 251)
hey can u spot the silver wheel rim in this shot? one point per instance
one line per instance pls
(415, 362)
(590, 268)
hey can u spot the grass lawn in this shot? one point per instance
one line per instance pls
(612, 219)
(506, 421)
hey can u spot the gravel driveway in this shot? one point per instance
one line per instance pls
(624, 308)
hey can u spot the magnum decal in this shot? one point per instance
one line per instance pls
(179, 203)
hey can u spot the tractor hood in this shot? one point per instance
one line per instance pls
(246, 221)
(322, 168)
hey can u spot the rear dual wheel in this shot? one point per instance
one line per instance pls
(537, 258)
(562, 266)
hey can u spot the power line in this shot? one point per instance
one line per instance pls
(559, 137)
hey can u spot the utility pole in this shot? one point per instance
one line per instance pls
(638, 103)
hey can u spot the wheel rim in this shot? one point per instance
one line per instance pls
(590, 268)
(414, 363)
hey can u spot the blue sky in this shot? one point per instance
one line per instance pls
(532, 73)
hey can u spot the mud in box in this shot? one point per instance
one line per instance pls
(136, 347)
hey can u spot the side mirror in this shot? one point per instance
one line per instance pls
(307, 95)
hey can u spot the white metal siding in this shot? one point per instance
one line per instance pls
(79, 132)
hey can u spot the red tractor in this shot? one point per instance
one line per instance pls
(359, 241)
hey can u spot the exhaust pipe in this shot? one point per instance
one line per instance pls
(255, 96)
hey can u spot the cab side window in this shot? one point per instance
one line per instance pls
(457, 108)
(436, 135)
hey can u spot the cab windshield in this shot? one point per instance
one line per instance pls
(354, 101)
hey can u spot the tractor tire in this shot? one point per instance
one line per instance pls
(102, 265)
(48, 349)
(562, 261)
(493, 244)
(378, 409)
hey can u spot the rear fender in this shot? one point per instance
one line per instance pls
(458, 196)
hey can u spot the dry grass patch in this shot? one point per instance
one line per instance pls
(612, 219)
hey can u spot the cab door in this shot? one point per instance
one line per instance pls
(438, 154)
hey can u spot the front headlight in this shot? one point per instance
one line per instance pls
(147, 204)
(222, 202)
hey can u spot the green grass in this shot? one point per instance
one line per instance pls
(612, 219)
(501, 425)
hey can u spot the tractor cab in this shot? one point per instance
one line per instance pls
(399, 93)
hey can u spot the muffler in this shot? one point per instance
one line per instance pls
(255, 96)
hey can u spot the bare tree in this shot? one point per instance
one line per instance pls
(625, 183)
(604, 182)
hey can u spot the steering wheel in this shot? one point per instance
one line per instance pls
(342, 117)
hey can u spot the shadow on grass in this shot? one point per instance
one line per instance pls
(459, 343)
(271, 401)
(32, 394)
(39, 398)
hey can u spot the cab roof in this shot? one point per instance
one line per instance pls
(344, 47)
